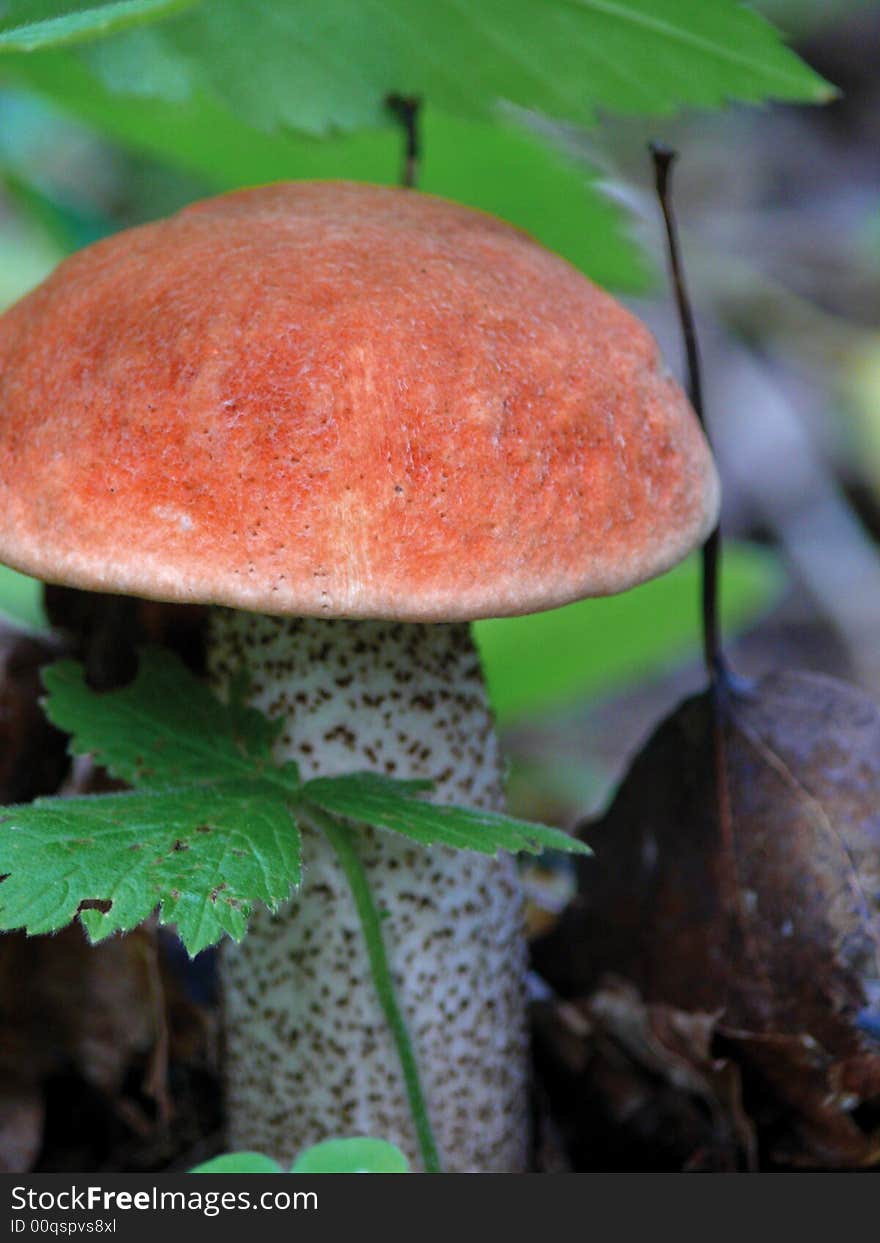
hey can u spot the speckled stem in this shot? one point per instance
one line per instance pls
(309, 1053)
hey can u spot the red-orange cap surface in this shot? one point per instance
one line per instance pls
(340, 400)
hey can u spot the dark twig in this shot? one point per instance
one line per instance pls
(719, 676)
(407, 109)
(664, 158)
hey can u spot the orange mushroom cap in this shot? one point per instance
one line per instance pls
(341, 400)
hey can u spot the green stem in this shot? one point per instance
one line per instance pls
(342, 839)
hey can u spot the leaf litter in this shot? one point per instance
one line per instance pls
(735, 895)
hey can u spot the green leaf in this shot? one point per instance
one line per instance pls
(210, 831)
(329, 64)
(184, 90)
(395, 805)
(165, 729)
(21, 600)
(351, 1156)
(202, 854)
(27, 25)
(332, 1156)
(552, 660)
(238, 1163)
(211, 827)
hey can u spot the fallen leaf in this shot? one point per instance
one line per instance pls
(797, 1102)
(737, 873)
(22, 1114)
(633, 1086)
(107, 1018)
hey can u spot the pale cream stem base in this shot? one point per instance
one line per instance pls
(308, 1052)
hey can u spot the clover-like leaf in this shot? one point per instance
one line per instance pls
(359, 1155)
(238, 1163)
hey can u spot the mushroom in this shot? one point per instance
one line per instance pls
(353, 419)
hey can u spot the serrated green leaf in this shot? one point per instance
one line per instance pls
(329, 64)
(351, 1156)
(209, 832)
(394, 805)
(211, 828)
(27, 25)
(184, 90)
(165, 729)
(202, 854)
(239, 1163)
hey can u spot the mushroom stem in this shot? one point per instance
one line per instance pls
(309, 1053)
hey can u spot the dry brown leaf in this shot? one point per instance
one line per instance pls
(738, 873)
(789, 1086)
(22, 1114)
(637, 1087)
(105, 1016)
(65, 1004)
(101, 1020)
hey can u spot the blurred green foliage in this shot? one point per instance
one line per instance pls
(27, 255)
(27, 25)
(21, 600)
(498, 167)
(232, 91)
(552, 660)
